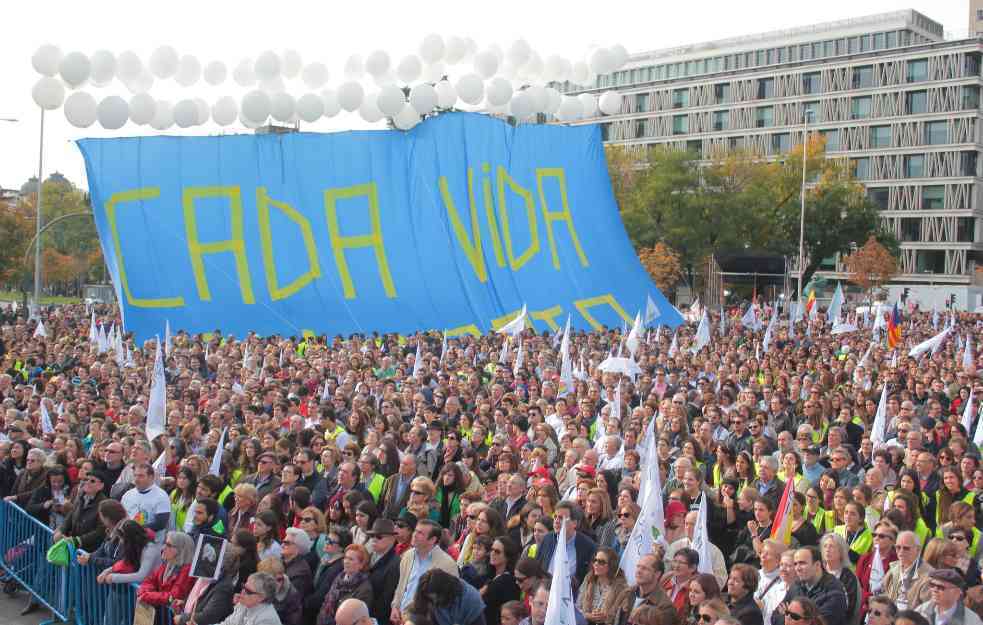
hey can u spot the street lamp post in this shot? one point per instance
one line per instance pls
(802, 214)
(37, 221)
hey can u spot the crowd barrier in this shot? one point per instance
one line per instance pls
(71, 593)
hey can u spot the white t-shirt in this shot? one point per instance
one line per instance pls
(144, 507)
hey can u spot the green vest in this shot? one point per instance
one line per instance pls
(968, 498)
(224, 495)
(375, 486)
(921, 529)
(861, 544)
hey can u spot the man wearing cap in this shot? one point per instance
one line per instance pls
(675, 513)
(812, 469)
(946, 607)
(405, 524)
(82, 525)
(384, 570)
(264, 479)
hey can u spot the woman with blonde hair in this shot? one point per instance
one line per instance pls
(420, 503)
(601, 587)
(242, 513)
(352, 582)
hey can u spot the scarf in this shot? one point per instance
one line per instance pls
(344, 585)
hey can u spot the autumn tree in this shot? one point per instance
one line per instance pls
(662, 263)
(870, 266)
(16, 229)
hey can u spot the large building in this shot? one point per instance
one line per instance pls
(887, 91)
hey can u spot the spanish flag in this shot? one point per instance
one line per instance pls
(810, 303)
(894, 328)
(781, 527)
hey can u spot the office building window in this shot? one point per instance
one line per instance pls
(805, 52)
(735, 143)
(766, 88)
(832, 138)
(936, 133)
(863, 77)
(879, 196)
(933, 197)
(911, 229)
(764, 117)
(864, 43)
(781, 142)
(811, 82)
(918, 70)
(979, 14)
(721, 92)
(860, 107)
(917, 102)
(966, 229)
(880, 136)
(680, 124)
(680, 98)
(640, 128)
(605, 131)
(969, 163)
(721, 120)
(641, 102)
(695, 146)
(810, 111)
(971, 97)
(879, 41)
(829, 48)
(892, 39)
(929, 261)
(860, 168)
(914, 166)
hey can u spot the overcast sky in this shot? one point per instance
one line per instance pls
(228, 31)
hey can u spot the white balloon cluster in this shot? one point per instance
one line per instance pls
(443, 73)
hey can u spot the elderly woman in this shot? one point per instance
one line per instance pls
(172, 580)
(210, 601)
(836, 561)
(242, 513)
(255, 605)
(422, 491)
(286, 600)
(294, 548)
(353, 582)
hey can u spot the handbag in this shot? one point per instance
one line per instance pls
(60, 553)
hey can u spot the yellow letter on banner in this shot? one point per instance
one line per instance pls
(236, 244)
(470, 328)
(486, 191)
(136, 195)
(374, 239)
(503, 211)
(548, 315)
(263, 203)
(563, 215)
(583, 305)
(471, 245)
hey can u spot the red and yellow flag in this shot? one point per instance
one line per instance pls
(810, 302)
(894, 328)
(781, 527)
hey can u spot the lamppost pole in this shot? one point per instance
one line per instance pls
(37, 221)
(802, 213)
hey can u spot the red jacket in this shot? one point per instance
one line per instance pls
(157, 591)
(864, 565)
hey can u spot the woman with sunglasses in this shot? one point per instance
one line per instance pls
(871, 578)
(957, 557)
(172, 580)
(330, 566)
(803, 611)
(502, 587)
(601, 588)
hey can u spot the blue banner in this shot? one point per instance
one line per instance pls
(452, 226)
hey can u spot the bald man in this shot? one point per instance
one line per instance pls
(353, 612)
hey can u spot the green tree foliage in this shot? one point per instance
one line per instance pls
(740, 201)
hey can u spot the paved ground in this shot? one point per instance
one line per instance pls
(10, 608)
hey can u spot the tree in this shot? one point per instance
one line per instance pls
(662, 263)
(871, 266)
(16, 229)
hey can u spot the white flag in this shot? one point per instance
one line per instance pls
(157, 407)
(701, 538)
(160, 467)
(702, 333)
(216, 468)
(866, 356)
(635, 336)
(652, 311)
(519, 357)
(650, 527)
(93, 332)
(46, 426)
(723, 323)
(978, 437)
(750, 318)
(836, 305)
(968, 413)
(443, 348)
(40, 331)
(878, 432)
(766, 341)
(560, 610)
(418, 359)
(167, 337)
(516, 326)
(935, 318)
(566, 366)
(876, 570)
(503, 356)
(673, 346)
(616, 403)
(931, 344)
(968, 353)
(103, 340)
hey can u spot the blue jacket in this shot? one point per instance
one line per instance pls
(585, 548)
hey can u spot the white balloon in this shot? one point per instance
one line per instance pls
(434, 73)
(48, 93)
(620, 54)
(103, 67)
(454, 50)
(282, 106)
(204, 111)
(267, 65)
(354, 67)
(570, 109)
(519, 52)
(409, 69)
(533, 69)
(552, 100)
(46, 60)
(406, 118)
(470, 88)
(186, 114)
(163, 117)
(610, 103)
(369, 110)
(390, 100)
(215, 74)
(350, 95)
(553, 68)
(432, 48)
(248, 123)
(142, 83)
(188, 71)
(470, 48)
(225, 110)
(315, 75)
(243, 74)
(331, 105)
(588, 102)
(520, 106)
(112, 112)
(377, 63)
(163, 62)
(310, 107)
(580, 73)
(291, 64)
(498, 91)
(128, 66)
(538, 99)
(601, 61)
(273, 85)
(143, 107)
(80, 109)
(423, 98)
(384, 80)
(75, 68)
(486, 63)
(446, 94)
(256, 106)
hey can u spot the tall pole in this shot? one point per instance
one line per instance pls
(37, 230)
(802, 213)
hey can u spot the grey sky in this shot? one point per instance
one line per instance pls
(331, 32)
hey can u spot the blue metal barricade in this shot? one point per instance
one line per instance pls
(24, 544)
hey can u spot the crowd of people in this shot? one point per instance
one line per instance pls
(356, 485)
